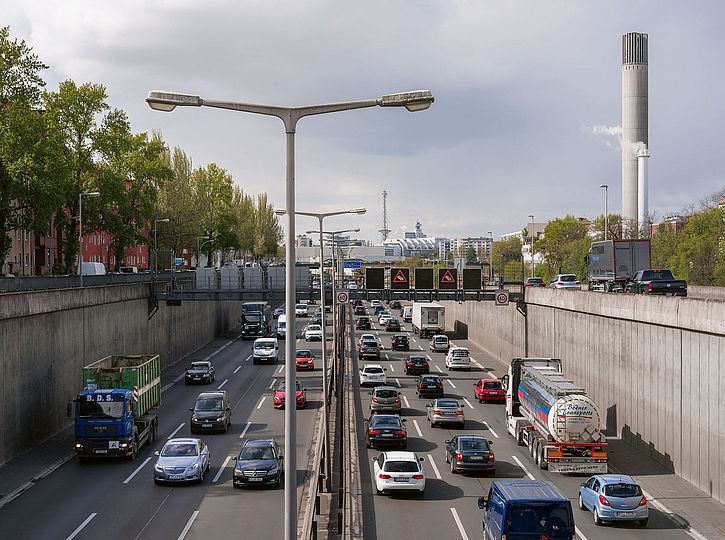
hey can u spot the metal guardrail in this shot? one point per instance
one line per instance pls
(37, 283)
(307, 525)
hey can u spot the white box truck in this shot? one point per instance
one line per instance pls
(429, 318)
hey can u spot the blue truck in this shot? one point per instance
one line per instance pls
(115, 413)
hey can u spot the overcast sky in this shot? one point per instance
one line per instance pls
(526, 94)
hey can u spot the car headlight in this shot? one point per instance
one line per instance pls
(221, 417)
(194, 418)
(158, 468)
(194, 467)
(273, 471)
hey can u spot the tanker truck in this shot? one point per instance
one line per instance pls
(553, 417)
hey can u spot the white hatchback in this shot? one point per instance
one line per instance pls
(313, 332)
(301, 310)
(398, 471)
(458, 358)
(372, 374)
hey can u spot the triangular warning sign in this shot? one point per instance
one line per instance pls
(400, 277)
(447, 277)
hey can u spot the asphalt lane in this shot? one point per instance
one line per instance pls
(449, 507)
(118, 498)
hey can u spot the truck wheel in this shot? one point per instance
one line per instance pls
(134, 451)
(542, 460)
(152, 433)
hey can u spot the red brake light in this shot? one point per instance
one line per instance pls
(400, 432)
(459, 413)
(578, 283)
(373, 432)
(436, 411)
(384, 476)
(397, 399)
(603, 500)
(649, 287)
(409, 363)
(374, 399)
(459, 455)
(643, 502)
(417, 477)
(491, 457)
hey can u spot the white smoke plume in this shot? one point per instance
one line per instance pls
(607, 131)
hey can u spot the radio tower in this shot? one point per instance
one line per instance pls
(385, 231)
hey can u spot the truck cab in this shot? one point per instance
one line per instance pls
(252, 324)
(104, 422)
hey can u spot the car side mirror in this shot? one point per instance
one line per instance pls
(281, 456)
(370, 393)
(228, 409)
(420, 459)
(490, 442)
(583, 484)
(482, 503)
(69, 409)
(234, 458)
(375, 459)
(448, 441)
(191, 409)
(157, 453)
(405, 419)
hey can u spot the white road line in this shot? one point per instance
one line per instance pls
(435, 468)
(281, 369)
(298, 341)
(80, 527)
(414, 341)
(461, 530)
(247, 358)
(579, 533)
(397, 381)
(175, 431)
(177, 379)
(428, 357)
(274, 381)
(261, 401)
(476, 363)
(166, 387)
(439, 369)
(391, 367)
(492, 375)
(386, 356)
(377, 333)
(238, 368)
(517, 460)
(449, 382)
(693, 533)
(222, 384)
(244, 431)
(421, 347)
(488, 427)
(221, 470)
(468, 403)
(417, 428)
(134, 473)
(405, 399)
(188, 525)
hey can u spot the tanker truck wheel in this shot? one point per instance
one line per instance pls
(542, 460)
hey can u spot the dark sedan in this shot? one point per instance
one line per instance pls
(394, 304)
(417, 365)
(199, 372)
(360, 310)
(429, 386)
(400, 342)
(470, 453)
(259, 463)
(393, 325)
(363, 323)
(385, 429)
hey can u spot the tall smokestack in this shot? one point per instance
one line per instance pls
(634, 120)
(643, 189)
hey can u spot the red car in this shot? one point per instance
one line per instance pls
(489, 390)
(280, 396)
(304, 359)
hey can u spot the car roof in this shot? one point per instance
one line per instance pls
(384, 388)
(183, 440)
(528, 490)
(417, 357)
(491, 380)
(373, 365)
(615, 479)
(259, 442)
(305, 351)
(400, 335)
(209, 395)
(265, 340)
(400, 456)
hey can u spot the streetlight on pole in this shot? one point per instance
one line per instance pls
(531, 235)
(413, 101)
(490, 257)
(325, 388)
(156, 249)
(606, 209)
(198, 246)
(80, 228)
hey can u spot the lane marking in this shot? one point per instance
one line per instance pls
(221, 470)
(405, 399)
(244, 431)
(517, 460)
(10, 497)
(435, 467)
(274, 381)
(417, 428)
(175, 431)
(475, 363)
(492, 375)
(260, 403)
(397, 381)
(421, 347)
(449, 382)
(439, 369)
(488, 427)
(281, 369)
(461, 530)
(391, 367)
(428, 357)
(80, 527)
(386, 356)
(247, 358)
(579, 533)
(377, 333)
(134, 473)
(177, 379)
(222, 384)
(240, 367)
(693, 533)
(468, 403)
(188, 525)
(298, 341)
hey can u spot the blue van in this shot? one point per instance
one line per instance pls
(526, 510)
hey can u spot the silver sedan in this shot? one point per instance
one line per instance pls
(182, 460)
(445, 411)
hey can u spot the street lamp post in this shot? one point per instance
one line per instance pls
(531, 235)
(606, 209)
(290, 116)
(156, 249)
(198, 246)
(80, 229)
(325, 388)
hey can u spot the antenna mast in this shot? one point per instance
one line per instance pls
(385, 231)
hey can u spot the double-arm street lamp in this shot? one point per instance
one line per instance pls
(325, 389)
(606, 208)
(167, 101)
(80, 229)
(531, 235)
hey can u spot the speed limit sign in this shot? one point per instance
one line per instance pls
(502, 298)
(342, 297)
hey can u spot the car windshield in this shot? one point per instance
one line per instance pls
(656, 275)
(180, 450)
(622, 490)
(390, 421)
(473, 444)
(304, 354)
(256, 452)
(373, 370)
(386, 393)
(100, 409)
(447, 403)
(492, 385)
(567, 277)
(440, 339)
(268, 345)
(314, 328)
(301, 306)
(252, 317)
(364, 319)
(400, 466)
(429, 380)
(199, 365)
(283, 386)
(551, 519)
(417, 360)
(208, 405)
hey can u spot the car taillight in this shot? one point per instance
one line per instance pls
(459, 455)
(459, 413)
(400, 432)
(417, 477)
(384, 477)
(373, 432)
(374, 399)
(491, 457)
(397, 399)
(643, 502)
(439, 385)
(649, 287)
(603, 500)
(409, 363)
(578, 283)
(436, 411)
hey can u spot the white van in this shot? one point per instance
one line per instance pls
(92, 269)
(458, 358)
(265, 350)
(282, 326)
(407, 313)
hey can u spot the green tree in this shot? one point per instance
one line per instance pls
(564, 246)
(699, 257)
(664, 246)
(213, 189)
(506, 258)
(244, 210)
(268, 229)
(470, 254)
(614, 226)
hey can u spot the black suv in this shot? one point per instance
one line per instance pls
(211, 412)
(360, 310)
(200, 371)
(363, 323)
(400, 342)
(417, 365)
(429, 386)
(259, 463)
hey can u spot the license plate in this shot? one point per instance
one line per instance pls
(475, 458)
(401, 479)
(101, 451)
(255, 479)
(176, 476)
(206, 425)
(624, 514)
(387, 434)
(449, 414)
(431, 386)
(114, 445)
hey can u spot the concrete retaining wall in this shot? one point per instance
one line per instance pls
(654, 365)
(46, 337)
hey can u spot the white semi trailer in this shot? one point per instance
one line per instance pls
(554, 417)
(429, 318)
